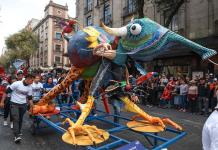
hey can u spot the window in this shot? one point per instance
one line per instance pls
(45, 61)
(107, 14)
(89, 5)
(174, 23)
(89, 21)
(58, 36)
(131, 5)
(59, 12)
(98, 3)
(57, 59)
(57, 47)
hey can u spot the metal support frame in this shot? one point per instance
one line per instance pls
(155, 140)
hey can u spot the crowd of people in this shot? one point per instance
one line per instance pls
(21, 91)
(197, 95)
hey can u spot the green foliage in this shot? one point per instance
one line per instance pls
(20, 46)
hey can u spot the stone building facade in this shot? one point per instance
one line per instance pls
(31, 24)
(196, 20)
(51, 45)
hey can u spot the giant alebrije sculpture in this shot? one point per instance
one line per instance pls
(91, 54)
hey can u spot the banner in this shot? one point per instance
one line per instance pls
(18, 63)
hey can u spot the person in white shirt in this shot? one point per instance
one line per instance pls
(37, 89)
(21, 95)
(210, 132)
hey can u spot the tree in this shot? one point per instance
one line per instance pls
(21, 45)
(8, 58)
(4, 61)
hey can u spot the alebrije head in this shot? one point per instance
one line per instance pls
(136, 30)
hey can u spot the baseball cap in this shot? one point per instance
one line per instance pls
(4, 82)
(19, 72)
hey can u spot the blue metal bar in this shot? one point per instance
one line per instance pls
(71, 110)
(155, 139)
(155, 136)
(51, 124)
(172, 130)
(58, 123)
(117, 129)
(166, 144)
(118, 141)
(104, 116)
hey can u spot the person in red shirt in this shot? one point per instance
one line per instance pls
(2, 91)
(166, 97)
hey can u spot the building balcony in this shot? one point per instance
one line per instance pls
(127, 11)
(88, 9)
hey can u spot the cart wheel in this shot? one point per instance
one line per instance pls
(33, 129)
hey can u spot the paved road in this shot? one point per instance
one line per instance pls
(47, 139)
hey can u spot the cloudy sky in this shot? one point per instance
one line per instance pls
(14, 14)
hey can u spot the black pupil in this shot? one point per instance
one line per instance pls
(133, 27)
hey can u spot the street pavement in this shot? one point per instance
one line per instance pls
(48, 139)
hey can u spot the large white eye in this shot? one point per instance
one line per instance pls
(135, 29)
